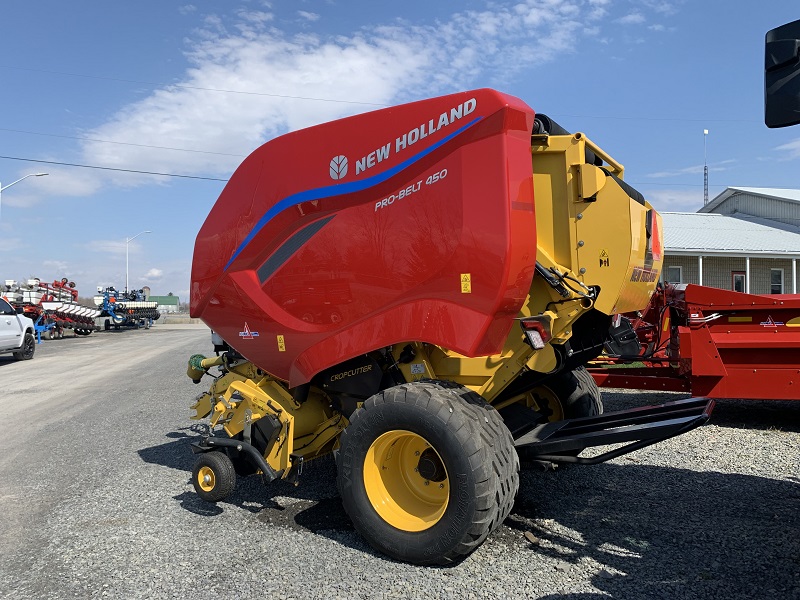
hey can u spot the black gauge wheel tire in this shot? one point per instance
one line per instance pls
(213, 476)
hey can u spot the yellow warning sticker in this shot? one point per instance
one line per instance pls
(466, 283)
(604, 262)
(281, 344)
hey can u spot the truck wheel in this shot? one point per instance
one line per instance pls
(213, 476)
(427, 471)
(28, 348)
(568, 395)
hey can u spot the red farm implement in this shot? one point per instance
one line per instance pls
(53, 307)
(709, 342)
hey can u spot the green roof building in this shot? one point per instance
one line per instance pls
(166, 304)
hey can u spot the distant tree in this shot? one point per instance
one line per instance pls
(170, 294)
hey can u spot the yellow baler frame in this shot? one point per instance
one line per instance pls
(575, 204)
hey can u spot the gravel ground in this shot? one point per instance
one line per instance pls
(97, 503)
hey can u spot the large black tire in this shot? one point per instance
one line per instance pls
(213, 476)
(568, 395)
(28, 348)
(426, 471)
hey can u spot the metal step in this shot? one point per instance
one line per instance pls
(643, 426)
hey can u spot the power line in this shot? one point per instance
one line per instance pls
(66, 164)
(192, 87)
(619, 118)
(338, 101)
(655, 183)
(73, 137)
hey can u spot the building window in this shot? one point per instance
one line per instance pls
(776, 281)
(738, 281)
(674, 275)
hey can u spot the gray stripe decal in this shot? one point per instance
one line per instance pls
(289, 247)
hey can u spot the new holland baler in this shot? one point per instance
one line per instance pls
(417, 290)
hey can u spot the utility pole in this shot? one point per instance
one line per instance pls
(705, 169)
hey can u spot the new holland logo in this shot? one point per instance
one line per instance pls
(770, 322)
(248, 334)
(338, 167)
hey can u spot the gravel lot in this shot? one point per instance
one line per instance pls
(96, 502)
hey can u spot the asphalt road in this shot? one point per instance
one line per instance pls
(96, 502)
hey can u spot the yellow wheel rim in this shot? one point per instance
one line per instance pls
(406, 481)
(543, 400)
(206, 479)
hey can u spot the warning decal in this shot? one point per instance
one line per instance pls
(603, 258)
(466, 283)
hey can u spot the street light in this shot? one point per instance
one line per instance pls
(3, 187)
(128, 241)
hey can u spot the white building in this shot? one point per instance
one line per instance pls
(745, 239)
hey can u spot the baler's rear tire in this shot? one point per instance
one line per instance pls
(213, 476)
(427, 471)
(568, 395)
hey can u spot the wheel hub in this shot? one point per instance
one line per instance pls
(430, 466)
(398, 470)
(206, 479)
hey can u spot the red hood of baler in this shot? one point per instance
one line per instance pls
(409, 223)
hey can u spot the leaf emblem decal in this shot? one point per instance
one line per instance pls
(338, 167)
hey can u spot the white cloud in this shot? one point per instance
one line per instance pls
(153, 275)
(57, 266)
(666, 200)
(248, 82)
(663, 7)
(792, 149)
(276, 75)
(308, 16)
(722, 165)
(109, 246)
(9, 244)
(632, 19)
(187, 9)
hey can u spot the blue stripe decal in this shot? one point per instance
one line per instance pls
(341, 188)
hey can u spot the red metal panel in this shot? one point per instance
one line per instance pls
(726, 344)
(696, 343)
(427, 233)
(654, 378)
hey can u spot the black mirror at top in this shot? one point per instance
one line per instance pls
(782, 76)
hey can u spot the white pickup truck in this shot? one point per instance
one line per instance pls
(16, 333)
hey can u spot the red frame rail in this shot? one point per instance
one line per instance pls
(713, 343)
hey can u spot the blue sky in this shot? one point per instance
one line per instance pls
(190, 89)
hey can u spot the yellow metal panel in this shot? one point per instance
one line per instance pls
(592, 180)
